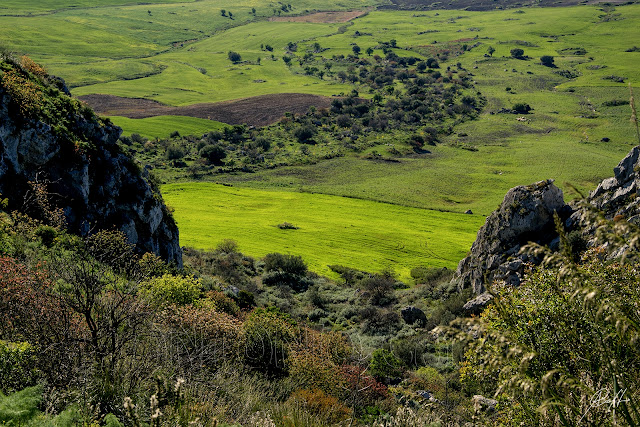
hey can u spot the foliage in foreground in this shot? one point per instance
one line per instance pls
(562, 348)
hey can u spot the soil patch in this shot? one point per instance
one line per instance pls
(321, 17)
(476, 5)
(255, 111)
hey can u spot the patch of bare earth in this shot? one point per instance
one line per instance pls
(321, 17)
(260, 110)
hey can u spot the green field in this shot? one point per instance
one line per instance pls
(163, 126)
(361, 234)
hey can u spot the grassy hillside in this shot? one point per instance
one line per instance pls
(360, 234)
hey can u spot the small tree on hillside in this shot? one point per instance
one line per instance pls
(491, 50)
(234, 57)
(356, 49)
(517, 53)
(547, 61)
(213, 154)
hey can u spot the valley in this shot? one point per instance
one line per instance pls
(319, 213)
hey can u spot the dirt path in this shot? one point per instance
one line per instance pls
(257, 111)
(321, 17)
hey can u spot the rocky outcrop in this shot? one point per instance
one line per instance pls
(51, 137)
(477, 304)
(618, 196)
(525, 215)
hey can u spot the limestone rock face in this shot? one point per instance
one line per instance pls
(525, 215)
(618, 195)
(95, 183)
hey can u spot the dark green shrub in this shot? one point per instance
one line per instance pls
(234, 57)
(517, 53)
(305, 134)
(47, 234)
(174, 152)
(213, 154)
(18, 369)
(296, 282)
(547, 61)
(136, 137)
(521, 108)
(292, 264)
(384, 364)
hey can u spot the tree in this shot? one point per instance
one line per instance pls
(369, 51)
(433, 63)
(234, 57)
(253, 10)
(517, 53)
(213, 154)
(547, 61)
(356, 49)
(287, 60)
(491, 50)
(304, 134)
(522, 108)
(223, 12)
(230, 15)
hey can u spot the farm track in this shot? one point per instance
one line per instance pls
(254, 111)
(322, 17)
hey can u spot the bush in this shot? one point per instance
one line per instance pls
(378, 289)
(112, 248)
(174, 152)
(234, 57)
(136, 137)
(296, 282)
(287, 226)
(18, 369)
(517, 53)
(268, 334)
(221, 303)
(384, 364)
(21, 407)
(521, 108)
(168, 290)
(325, 406)
(213, 154)
(304, 134)
(293, 264)
(547, 61)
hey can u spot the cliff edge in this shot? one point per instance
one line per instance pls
(47, 136)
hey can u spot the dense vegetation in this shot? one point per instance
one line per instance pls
(88, 326)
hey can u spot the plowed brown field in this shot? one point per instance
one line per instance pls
(257, 111)
(321, 17)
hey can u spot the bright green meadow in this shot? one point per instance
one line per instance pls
(362, 234)
(162, 126)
